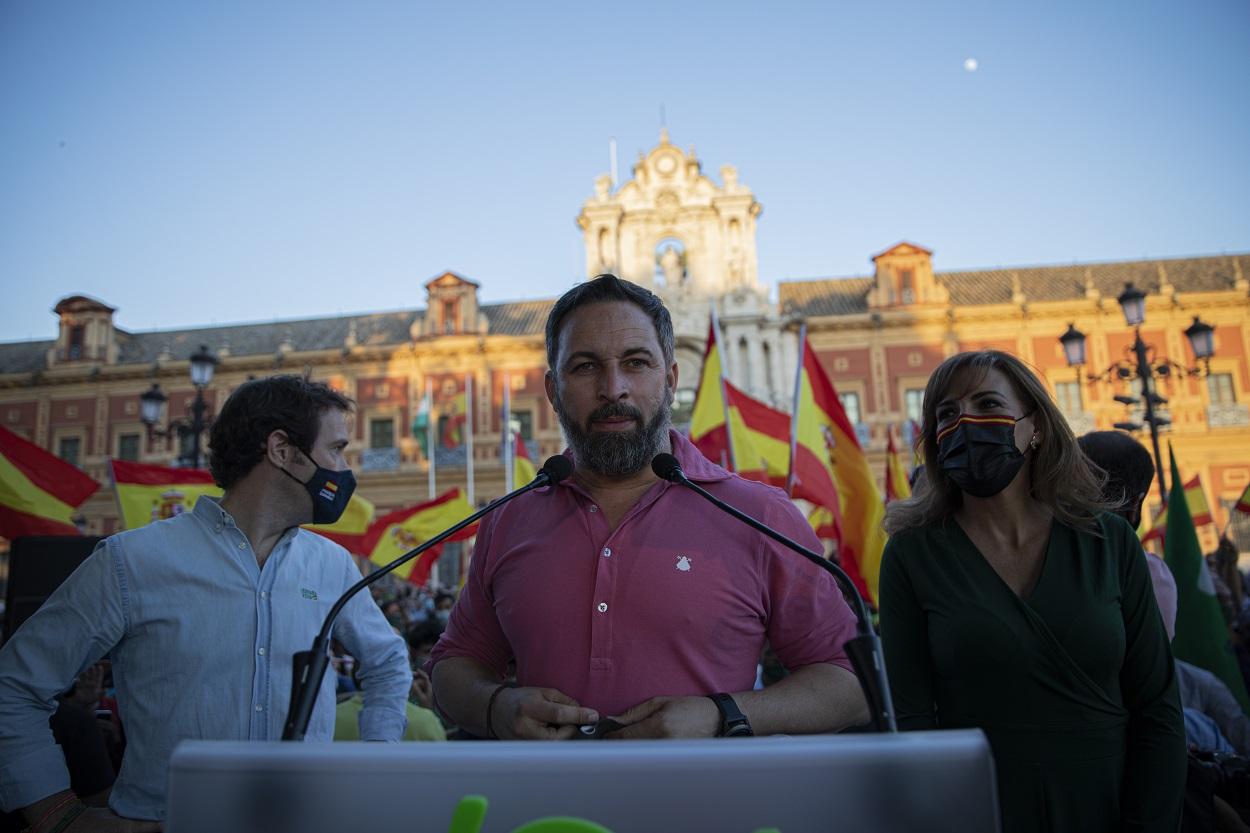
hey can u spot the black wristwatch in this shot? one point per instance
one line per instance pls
(733, 723)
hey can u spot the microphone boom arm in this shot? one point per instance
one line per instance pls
(310, 666)
(865, 649)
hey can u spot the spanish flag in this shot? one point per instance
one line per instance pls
(896, 485)
(455, 412)
(708, 417)
(1199, 511)
(828, 468)
(401, 530)
(349, 531)
(756, 443)
(523, 470)
(147, 493)
(38, 491)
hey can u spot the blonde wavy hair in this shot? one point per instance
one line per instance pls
(1061, 476)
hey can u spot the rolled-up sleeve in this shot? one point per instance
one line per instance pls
(474, 630)
(383, 658)
(74, 628)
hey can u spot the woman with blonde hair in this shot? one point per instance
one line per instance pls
(1013, 602)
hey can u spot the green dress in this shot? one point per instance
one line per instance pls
(1073, 685)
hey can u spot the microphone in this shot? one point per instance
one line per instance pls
(310, 666)
(864, 649)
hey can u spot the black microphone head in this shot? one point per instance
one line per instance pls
(666, 467)
(557, 468)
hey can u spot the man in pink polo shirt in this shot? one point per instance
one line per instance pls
(619, 594)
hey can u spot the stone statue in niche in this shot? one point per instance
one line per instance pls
(672, 267)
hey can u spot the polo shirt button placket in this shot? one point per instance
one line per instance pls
(603, 607)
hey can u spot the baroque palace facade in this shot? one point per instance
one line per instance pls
(675, 230)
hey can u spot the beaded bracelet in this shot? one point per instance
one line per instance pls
(490, 707)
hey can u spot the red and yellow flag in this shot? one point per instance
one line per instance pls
(455, 412)
(829, 469)
(1195, 498)
(896, 484)
(734, 430)
(760, 436)
(38, 491)
(523, 470)
(708, 431)
(398, 531)
(349, 531)
(147, 493)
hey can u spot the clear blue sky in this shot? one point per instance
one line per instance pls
(192, 163)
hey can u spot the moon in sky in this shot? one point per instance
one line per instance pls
(970, 64)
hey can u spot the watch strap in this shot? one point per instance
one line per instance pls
(733, 723)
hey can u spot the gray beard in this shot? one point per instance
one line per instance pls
(617, 453)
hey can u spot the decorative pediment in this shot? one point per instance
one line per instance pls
(451, 307)
(903, 248)
(904, 276)
(450, 280)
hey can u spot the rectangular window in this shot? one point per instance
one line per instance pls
(1068, 397)
(68, 449)
(913, 403)
(382, 433)
(1220, 389)
(907, 286)
(77, 335)
(128, 447)
(850, 404)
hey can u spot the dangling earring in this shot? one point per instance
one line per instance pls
(1034, 443)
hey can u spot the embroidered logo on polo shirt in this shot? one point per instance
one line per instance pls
(308, 594)
(683, 563)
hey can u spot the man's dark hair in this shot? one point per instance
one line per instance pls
(603, 289)
(255, 410)
(1127, 463)
(423, 634)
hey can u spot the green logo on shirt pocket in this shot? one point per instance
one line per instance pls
(308, 594)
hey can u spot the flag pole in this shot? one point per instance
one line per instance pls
(468, 437)
(117, 498)
(429, 433)
(724, 396)
(505, 433)
(794, 410)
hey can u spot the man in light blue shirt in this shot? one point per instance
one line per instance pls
(202, 613)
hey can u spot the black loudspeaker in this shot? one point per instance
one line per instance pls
(37, 566)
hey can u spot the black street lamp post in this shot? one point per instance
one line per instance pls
(152, 407)
(1201, 340)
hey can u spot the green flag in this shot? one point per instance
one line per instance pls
(1201, 635)
(421, 426)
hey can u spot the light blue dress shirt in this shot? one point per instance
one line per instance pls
(201, 639)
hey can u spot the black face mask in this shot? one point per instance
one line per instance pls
(979, 453)
(330, 491)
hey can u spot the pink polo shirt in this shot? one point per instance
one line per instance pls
(676, 601)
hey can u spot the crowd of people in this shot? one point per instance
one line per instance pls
(1015, 598)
